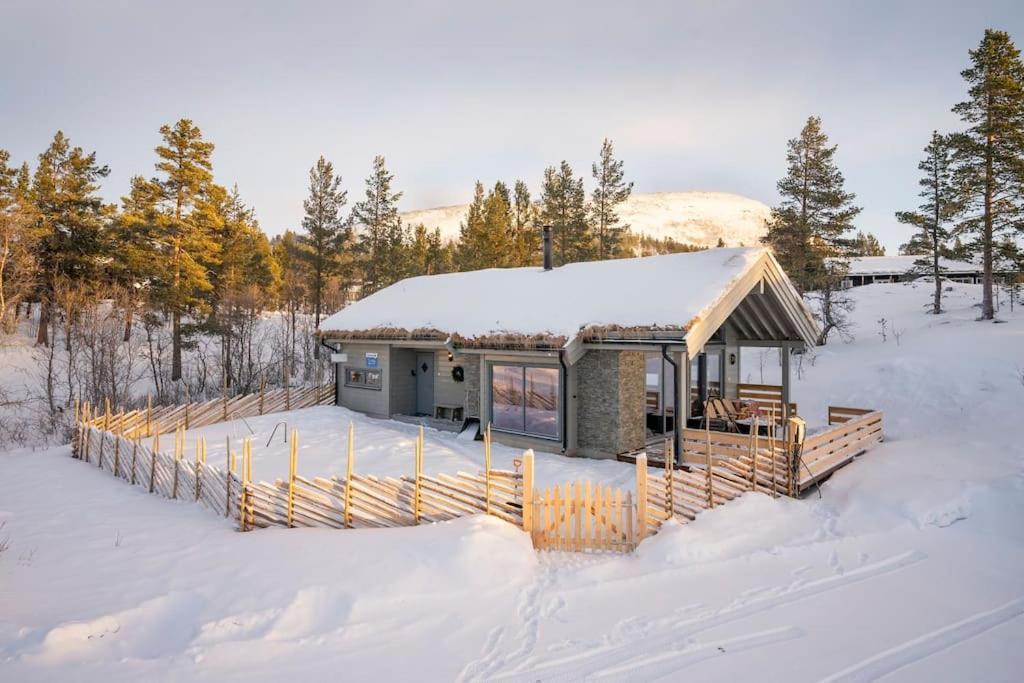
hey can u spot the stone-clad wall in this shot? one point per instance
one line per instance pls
(471, 368)
(610, 408)
(632, 401)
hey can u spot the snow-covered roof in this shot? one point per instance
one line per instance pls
(898, 265)
(670, 292)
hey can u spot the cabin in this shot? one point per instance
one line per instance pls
(586, 359)
(866, 270)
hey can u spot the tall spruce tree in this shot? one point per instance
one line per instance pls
(564, 208)
(183, 188)
(990, 153)
(70, 222)
(807, 229)
(610, 191)
(941, 203)
(377, 218)
(327, 233)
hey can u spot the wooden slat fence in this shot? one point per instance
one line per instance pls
(716, 468)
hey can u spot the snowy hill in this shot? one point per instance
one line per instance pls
(690, 217)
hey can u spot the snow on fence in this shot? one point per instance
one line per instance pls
(576, 516)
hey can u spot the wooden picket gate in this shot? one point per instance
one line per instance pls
(581, 516)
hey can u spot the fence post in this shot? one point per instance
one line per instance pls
(135, 456)
(78, 430)
(224, 397)
(641, 495)
(710, 481)
(292, 466)
(243, 503)
(178, 437)
(149, 415)
(103, 435)
(349, 465)
(528, 493)
(670, 457)
(263, 385)
(152, 458)
(199, 449)
(117, 448)
(287, 389)
(188, 405)
(753, 453)
(419, 473)
(771, 449)
(487, 469)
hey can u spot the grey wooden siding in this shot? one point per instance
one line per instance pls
(366, 400)
(446, 390)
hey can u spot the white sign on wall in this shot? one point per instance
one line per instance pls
(339, 357)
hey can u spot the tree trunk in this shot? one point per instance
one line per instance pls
(175, 346)
(129, 314)
(42, 336)
(987, 309)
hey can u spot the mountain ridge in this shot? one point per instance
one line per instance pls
(692, 217)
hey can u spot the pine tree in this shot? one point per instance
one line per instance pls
(989, 153)
(807, 230)
(941, 204)
(17, 260)
(183, 228)
(293, 262)
(486, 236)
(327, 233)
(70, 222)
(563, 207)
(471, 230)
(377, 216)
(610, 191)
(866, 244)
(525, 236)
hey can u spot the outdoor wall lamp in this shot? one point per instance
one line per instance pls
(732, 359)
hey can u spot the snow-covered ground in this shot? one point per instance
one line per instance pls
(909, 566)
(383, 448)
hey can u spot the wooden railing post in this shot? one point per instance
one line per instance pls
(349, 466)
(149, 415)
(641, 496)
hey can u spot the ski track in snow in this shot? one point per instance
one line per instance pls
(615, 659)
(928, 644)
(529, 611)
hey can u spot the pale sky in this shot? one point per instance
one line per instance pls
(696, 95)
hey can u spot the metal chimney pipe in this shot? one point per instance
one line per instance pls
(547, 247)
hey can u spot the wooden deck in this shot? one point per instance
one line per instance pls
(850, 433)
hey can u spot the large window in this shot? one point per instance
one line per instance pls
(525, 399)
